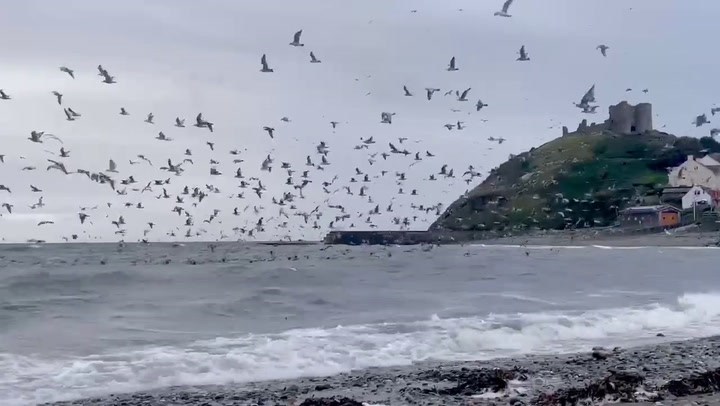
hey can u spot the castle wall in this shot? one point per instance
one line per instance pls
(643, 117)
(622, 118)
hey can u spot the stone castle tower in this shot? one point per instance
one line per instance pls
(628, 119)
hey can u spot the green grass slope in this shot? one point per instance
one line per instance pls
(576, 181)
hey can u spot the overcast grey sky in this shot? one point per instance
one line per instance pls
(180, 57)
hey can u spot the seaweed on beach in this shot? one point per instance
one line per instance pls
(330, 402)
(474, 381)
(704, 382)
(619, 386)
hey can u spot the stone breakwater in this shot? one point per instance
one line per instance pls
(671, 373)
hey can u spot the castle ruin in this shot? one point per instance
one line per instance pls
(628, 119)
(624, 118)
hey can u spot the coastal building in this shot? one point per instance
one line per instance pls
(704, 172)
(698, 196)
(644, 217)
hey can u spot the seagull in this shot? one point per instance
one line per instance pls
(430, 92)
(123, 112)
(523, 54)
(83, 216)
(313, 59)
(3, 95)
(463, 96)
(588, 98)
(74, 114)
(200, 122)
(700, 120)
(68, 71)
(269, 130)
(107, 78)
(149, 118)
(161, 136)
(8, 207)
(407, 92)
(480, 105)
(179, 122)
(112, 167)
(4, 188)
(58, 95)
(504, 11)
(69, 115)
(35, 189)
(386, 118)
(451, 66)
(603, 49)
(296, 40)
(264, 63)
(57, 165)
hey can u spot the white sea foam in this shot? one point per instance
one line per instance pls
(26, 380)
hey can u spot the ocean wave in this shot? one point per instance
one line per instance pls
(296, 353)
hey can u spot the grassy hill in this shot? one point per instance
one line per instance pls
(576, 181)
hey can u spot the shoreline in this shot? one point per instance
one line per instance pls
(674, 372)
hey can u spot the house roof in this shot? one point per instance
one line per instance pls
(650, 209)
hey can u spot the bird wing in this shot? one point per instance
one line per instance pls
(297, 36)
(506, 6)
(589, 96)
(67, 113)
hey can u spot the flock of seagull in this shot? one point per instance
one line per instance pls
(184, 199)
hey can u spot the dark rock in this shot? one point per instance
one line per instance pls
(659, 335)
(323, 386)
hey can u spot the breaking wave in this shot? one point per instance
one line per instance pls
(316, 352)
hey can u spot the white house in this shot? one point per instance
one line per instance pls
(697, 172)
(697, 195)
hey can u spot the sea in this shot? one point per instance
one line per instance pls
(86, 320)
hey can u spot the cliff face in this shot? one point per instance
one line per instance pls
(576, 181)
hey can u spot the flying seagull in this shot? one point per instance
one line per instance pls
(264, 63)
(3, 95)
(386, 118)
(296, 40)
(588, 98)
(69, 115)
(179, 123)
(270, 131)
(68, 71)
(700, 120)
(480, 105)
(451, 66)
(123, 112)
(504, 11)
(112, 166)
(200, 122)
(463, 96)
(149, 118)
(58, 95)
(523, 54)
(407, 92)
(107, 78)
(430, 92)
(313, 59)
(603, 49)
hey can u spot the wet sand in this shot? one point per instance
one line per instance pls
(673, 373)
